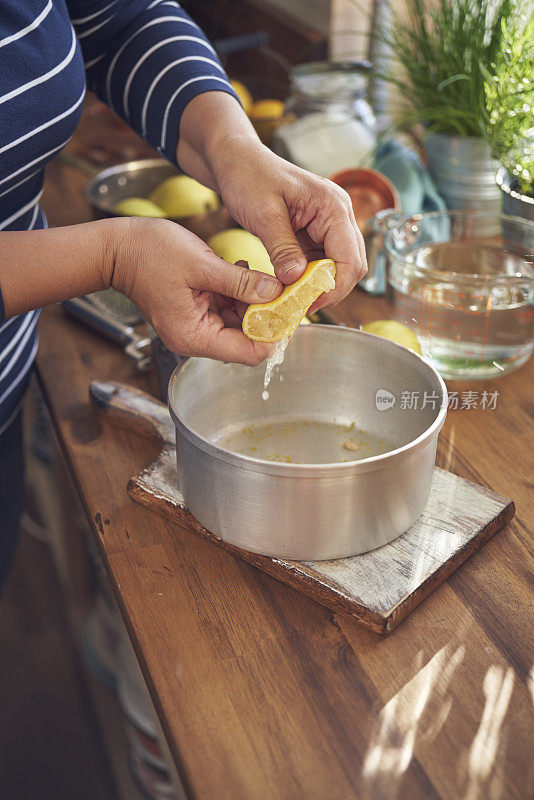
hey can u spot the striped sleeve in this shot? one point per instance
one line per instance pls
(147, 60)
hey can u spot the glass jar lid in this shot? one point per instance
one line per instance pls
(327, 81)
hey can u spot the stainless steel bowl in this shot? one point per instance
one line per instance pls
(310, 511)
(139, 179)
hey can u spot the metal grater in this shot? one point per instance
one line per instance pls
(100, 318)
(116, 304)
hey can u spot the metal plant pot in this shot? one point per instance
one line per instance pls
(463, 171)
(513, 203)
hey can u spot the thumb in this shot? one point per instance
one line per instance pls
(286, 255)
(238, 282)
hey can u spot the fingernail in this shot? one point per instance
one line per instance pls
(267, 288)
(288, 267)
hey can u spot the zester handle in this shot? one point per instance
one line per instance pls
(94, 317)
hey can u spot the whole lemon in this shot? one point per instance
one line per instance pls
(182, 196)
(267, 109)
(245, 98)
(267, 116)
(138, 207)
(395, 332)
(236, 244)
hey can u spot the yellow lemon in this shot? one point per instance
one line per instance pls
(236, 244)
(267, 109)
(267, 116)
(138, 207)
(182, 196)
(270, 322)
(245, 98)
(395, 332)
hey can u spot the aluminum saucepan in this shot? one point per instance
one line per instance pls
(340, 396)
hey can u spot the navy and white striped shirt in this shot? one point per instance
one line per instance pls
(145, 58)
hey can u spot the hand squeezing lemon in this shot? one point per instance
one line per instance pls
(279, 319)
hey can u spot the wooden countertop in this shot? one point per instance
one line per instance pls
(261, 692)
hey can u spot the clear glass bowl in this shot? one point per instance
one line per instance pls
(464, 281)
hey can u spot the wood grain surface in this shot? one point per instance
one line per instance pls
(265, 694)
(378, 589)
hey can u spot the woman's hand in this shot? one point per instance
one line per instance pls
(193, 299)
(298, 216)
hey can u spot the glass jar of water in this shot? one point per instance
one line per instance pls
(464, 281)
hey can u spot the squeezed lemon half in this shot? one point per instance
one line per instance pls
(270, 322)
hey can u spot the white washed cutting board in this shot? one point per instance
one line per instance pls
(380, 588)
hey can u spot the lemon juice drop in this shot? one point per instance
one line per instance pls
(276, 359)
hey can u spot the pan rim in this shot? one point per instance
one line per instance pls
(317, 469)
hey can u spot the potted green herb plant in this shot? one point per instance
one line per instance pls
(445, 49)
(510, 104)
